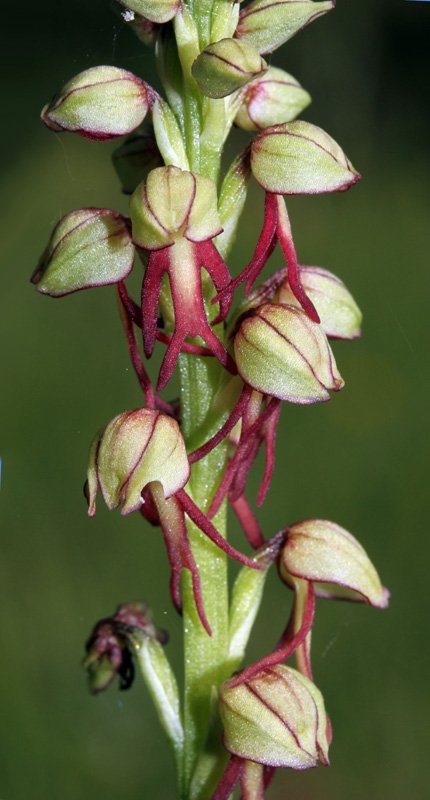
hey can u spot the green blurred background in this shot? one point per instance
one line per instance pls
(360, 460)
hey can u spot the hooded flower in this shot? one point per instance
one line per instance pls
(143, 451)
(174, 219)
(292, 158)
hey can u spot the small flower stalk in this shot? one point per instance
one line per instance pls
(181, 464)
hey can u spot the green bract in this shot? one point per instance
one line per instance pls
(299, 158)
(225, 66)
(274, 98)
(277, 718)
(282, 353)
(136, 448)
(322, 552)
(88, 247)
(269, 23)
(154, 10)
(99, 103)
(171, 204)
(338, 312)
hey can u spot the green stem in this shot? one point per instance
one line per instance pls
(202, 381)
(206, 658)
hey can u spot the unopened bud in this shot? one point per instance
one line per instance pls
(135, 449)
(300, 158)
(171, 204)
(322, 552)
(267, 24)
(225, 66)
(89, 247)
(280, 352)
(277, 718)
(339, 314)
(154, 10)
(274, 98)
(135, 159)
(99, 103)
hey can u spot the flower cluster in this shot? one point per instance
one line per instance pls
(273, 347)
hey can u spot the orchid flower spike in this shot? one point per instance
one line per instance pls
(174, 219)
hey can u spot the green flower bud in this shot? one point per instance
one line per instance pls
(299, 158)
(89, 247)
(171, 204)
(326, 554)
(338, 312)
(267, 24)
(136, 448)
(99, 103)
(134, 159)
(274, 98)
(277, 718)
(154, 10)
(225, 66)
(280, 352)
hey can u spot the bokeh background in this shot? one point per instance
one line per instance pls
(360, 460)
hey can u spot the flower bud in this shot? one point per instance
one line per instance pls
(89, 247)
(299, 158)
(276, 718)
(326, 554)
(225, 66)
(267, 24)
(274, 98)
(280, 352)
(136, 448)
(134, 159)
(171, 204)
(154, 10)
(99, 103)
(338, 312)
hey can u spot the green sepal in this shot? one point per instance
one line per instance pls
(225, 66)
(267, 24)
(155, 10)
(340, 317)
(300, 158)
(274, 98)
(280, 352)
(277, 718)
(88, 247)
(100, 103)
